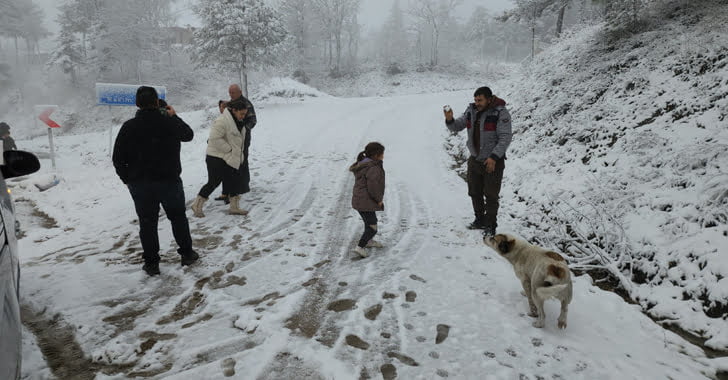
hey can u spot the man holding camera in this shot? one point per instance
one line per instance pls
(488, 123)
(146, 158)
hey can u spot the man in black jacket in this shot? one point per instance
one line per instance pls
(248, 123)
(8, 142)
(146, 158)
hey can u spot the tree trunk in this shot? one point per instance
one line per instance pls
(83, 44)
(435, 43)
(338, 51)
(331, 51)
(74, 79)
(533, 34)
(560, 21)
(244, 74)
(17, 54)
(533, 41)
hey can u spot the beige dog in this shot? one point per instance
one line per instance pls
(543, 274)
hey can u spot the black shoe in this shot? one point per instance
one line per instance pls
(222, 197)
(477, 224)
(488, 231)
(151, 269)
(189, 258)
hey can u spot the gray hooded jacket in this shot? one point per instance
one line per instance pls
(495, 130)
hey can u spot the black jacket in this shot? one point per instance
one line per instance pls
(9, 143)
(147, 147)
(250, 118)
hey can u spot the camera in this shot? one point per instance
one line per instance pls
(163, 107)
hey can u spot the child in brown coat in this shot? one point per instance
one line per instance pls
(368, 193)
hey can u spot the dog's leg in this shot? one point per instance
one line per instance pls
(526, 283)
(562, 316)
(540, 322)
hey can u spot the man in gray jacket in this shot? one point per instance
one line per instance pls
(489, 133)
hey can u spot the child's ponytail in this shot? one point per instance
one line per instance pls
(373, 149)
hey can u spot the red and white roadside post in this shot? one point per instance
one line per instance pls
(44, 112)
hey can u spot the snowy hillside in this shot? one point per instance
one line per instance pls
(619, 157)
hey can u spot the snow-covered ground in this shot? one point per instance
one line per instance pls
(278, 293)
(617, 158)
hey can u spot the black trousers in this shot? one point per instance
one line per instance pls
(485, 185)
(147, 196)
(245, 168)
(244, 171)
(370, 227)
(218, 171)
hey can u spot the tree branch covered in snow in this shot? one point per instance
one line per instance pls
(238, 35)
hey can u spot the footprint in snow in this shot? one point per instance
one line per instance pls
(418, 278)
(356, 342)
(228, 367)
(442, 332)
(404, 359)
(410, 296)
(372, 312)
(342, 305)
(389, 371)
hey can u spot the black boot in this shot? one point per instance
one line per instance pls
(152, 269)
(188, 259)
(489, 230)
(477, 224)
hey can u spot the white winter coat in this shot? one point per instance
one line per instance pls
(226, 141)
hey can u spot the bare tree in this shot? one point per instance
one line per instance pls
(433, 13)
(298, 18)
(335, 15)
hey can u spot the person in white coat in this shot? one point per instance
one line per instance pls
(224, 158)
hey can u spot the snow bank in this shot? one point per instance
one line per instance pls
(629, 143)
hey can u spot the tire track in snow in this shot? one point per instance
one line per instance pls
(385, 333)
(320, 317)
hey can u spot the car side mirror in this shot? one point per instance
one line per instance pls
(17, 163)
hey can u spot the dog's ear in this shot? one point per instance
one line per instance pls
(504, 246)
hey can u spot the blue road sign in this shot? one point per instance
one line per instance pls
(115, 94)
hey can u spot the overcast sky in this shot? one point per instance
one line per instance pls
(373, 12)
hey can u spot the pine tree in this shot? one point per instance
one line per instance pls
(394, 37)
(22, 19)
(117, 38)
(68, 55)
(237, 35)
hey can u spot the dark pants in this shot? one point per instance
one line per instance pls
(147, 196)
(219, 171)
(370, 227)
(243, 182)
(245, 168)
(488, 185)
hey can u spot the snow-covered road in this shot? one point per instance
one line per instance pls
(278, 294)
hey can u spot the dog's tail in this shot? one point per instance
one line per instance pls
(552, 291)
(555, 274)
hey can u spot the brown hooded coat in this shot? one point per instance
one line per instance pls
(368, 185)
